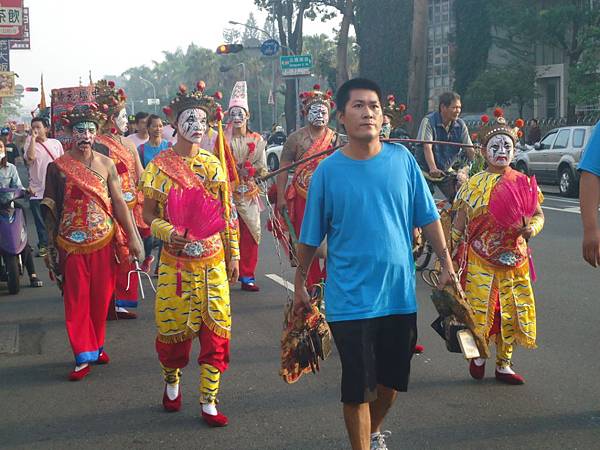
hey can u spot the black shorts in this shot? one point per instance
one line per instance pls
(374, 351)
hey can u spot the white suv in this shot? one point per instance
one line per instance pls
(554, 159)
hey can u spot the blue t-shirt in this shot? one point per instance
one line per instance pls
(368, 209)
(148, 152)
(591, 155)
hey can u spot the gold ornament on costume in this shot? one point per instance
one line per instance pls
(195, 99)
(499, 126)
(88, 112)
(309, 98)
(110, 99)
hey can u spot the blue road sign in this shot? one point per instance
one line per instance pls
(270, 47)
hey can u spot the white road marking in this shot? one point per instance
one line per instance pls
(574, 210)
(277, 279)
(561, 199)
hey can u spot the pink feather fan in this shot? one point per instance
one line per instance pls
(194, 214)
(514, 201)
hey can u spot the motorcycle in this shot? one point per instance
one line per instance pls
(13, 238)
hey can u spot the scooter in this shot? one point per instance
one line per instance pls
(13, 238)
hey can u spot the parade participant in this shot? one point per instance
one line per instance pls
(141, 129)
(496, 270)
(203, 267)
(395, 118)
(39, 152)
(366, 198)
(437, 159)
(125, 156)
(309, 140)
(589, 194)
(82, 199)
(248, 150)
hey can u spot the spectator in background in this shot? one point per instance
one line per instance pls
(19, 138)
(170, 135)
(277, 137)
(39, 152)
(147, 151)
(11, 149)
(141, 135)
(534, 134)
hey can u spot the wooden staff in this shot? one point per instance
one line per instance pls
(331, 150)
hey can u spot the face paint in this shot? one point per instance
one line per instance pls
(84, 134)
(500, 150)
(386, 129)
(318, 115)
(121, 121)
(192, 125)
(238, 116)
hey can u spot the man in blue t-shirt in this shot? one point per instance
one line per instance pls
(366, 199)
(589, 198)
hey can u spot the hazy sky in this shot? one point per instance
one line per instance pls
(70, 37)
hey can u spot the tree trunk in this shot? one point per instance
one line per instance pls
(417, 66)
(342, 44)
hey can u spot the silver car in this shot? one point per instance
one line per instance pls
(554, 159)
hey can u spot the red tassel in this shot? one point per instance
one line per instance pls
(179, 289)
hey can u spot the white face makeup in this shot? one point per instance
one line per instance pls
(500, 150)
(84, 135)
(192, 124)
(121, 121)
(318, 115)
(238, 116)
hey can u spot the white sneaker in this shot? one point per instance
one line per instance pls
(378, 440)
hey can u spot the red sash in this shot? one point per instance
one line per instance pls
(125, 164)
(91, 186)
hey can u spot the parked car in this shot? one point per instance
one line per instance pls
(554, 159)
(274, 157)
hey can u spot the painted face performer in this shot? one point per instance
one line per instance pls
(248, 150)
(395, 118)
(494, 255)
(193, 292)
(82, 199)
(126, 158)
(309, 140)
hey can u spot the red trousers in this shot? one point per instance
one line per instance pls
(214, 350)
(89, 282)
(126, 298)
(315, 273)
(248, 254)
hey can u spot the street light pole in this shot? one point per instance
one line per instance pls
(153, 91)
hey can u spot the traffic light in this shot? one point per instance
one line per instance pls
(31, 89)
(225, 49)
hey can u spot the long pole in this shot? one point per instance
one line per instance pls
(331, 150)
(153, 91)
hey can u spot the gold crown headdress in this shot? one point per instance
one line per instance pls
(110, 99)
(317, 96)
(396, 112)
(499, 126)
(85, 112)
(195, 99)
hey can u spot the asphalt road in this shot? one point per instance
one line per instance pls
(119, 405)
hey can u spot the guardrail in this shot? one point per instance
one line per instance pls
(546, 124)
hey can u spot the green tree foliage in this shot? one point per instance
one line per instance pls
(10, 109)
(471, 42)
(503, 86)
(383, 31)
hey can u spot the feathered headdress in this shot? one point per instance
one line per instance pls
(396, 112)
(109, 99)
(309, 98)
(499, 126)
(195, 99)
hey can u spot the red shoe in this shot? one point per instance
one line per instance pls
(419, 349)
(477, 372)
(510, 378)
(125, 315)
(103, 358)
(219, 420)
(147, 263)
(77, 375)
(172, 405)
(250, 287)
